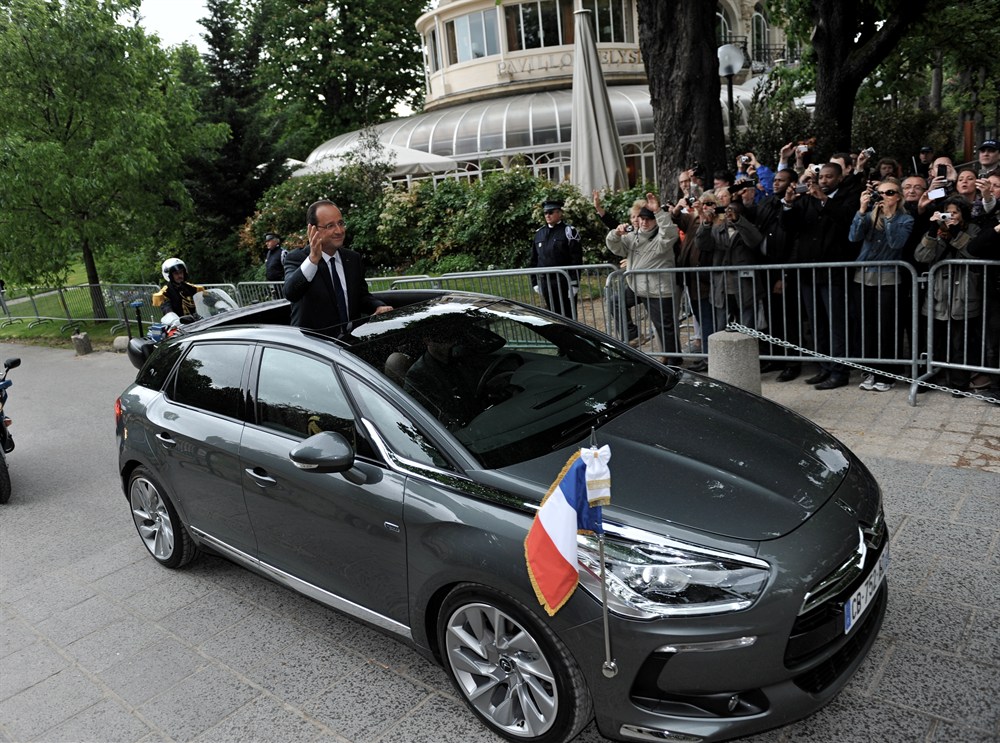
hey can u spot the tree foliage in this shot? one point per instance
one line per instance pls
(336, 66)
(847, 40)
(94, 126)
(225, 184)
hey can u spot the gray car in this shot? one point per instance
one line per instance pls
(393, 474)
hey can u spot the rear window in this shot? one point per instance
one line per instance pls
(210, 378)
(157, 368)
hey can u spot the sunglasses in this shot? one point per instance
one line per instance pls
(890, 192)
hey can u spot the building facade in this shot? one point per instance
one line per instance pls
(499, 76)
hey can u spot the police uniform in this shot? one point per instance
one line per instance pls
(556, 246)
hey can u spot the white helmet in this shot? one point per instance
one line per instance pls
(169, 265)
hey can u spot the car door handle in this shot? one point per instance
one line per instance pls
(260, 477)
(166, 440)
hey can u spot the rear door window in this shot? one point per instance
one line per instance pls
(210, 378)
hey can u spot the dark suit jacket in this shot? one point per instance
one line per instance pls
(313, 304)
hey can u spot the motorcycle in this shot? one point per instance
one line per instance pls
(6, 440)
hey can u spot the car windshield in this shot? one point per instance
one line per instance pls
(510, 383)
(213, 302)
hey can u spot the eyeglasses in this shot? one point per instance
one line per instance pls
(330, 226)
(890, 192)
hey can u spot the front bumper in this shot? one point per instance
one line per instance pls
(697, 680)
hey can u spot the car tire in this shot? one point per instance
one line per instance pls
(4, 478)
(157, 522)
(510, 668)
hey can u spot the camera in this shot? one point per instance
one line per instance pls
(741, 184)
(942, 217)
(719, 209)
(869, 152)
(875, 195)
(691, 200)
(745, 160)
(630, 228)
(802, 188)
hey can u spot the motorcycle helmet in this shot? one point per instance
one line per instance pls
(169, 265)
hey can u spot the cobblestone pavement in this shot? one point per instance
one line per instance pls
(98, 643)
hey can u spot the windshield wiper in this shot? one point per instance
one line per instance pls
(556, 398)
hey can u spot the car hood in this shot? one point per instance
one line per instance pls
(711, 457)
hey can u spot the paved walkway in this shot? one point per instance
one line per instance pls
(939, 430)
(98, 643)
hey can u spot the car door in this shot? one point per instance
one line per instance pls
(340, 532)
(197, 424)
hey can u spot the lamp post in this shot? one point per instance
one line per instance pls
(730, 62)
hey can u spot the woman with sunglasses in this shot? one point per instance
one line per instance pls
(884, 226)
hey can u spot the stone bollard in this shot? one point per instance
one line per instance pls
(120, 344)
(81, 342)
(733, 358)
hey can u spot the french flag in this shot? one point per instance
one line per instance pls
(572, 506)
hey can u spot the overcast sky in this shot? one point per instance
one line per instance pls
(175, 21)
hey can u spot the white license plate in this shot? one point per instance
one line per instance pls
(855, 608)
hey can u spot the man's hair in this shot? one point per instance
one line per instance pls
(313, 207)
(723, 175)
(835, 167)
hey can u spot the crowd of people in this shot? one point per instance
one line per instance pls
(868, 218)
(852, 210)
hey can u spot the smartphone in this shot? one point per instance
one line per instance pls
(937, 193)
(942, 171)
(720, 210)
(802, 189)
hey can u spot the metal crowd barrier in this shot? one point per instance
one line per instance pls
(820, 312)
(960, 308)
(571, 291)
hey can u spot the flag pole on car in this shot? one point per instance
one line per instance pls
(571, 506)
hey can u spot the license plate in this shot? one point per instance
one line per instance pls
(855, 608)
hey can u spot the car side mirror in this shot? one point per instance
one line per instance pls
(323, 452)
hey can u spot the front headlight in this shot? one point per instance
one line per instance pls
(647, 581)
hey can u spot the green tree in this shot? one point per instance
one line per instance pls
(333, 67)
(849, 39)
(94, 126)
(227, 183)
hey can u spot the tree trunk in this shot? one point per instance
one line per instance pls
(851, 38)
(677, 40)
(96, 295)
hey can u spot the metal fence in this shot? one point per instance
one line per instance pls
(572, 291)
(873, 316)
(914, 328)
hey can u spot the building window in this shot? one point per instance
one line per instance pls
(723, 27)
(761, 44)
(472, 36)
(538, 24)
(613, 20)
(433, 51)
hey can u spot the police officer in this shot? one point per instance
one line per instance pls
(273, 268)
(556, 244)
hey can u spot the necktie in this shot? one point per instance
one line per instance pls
(338, 294)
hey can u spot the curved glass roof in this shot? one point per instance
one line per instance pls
(502, 126)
